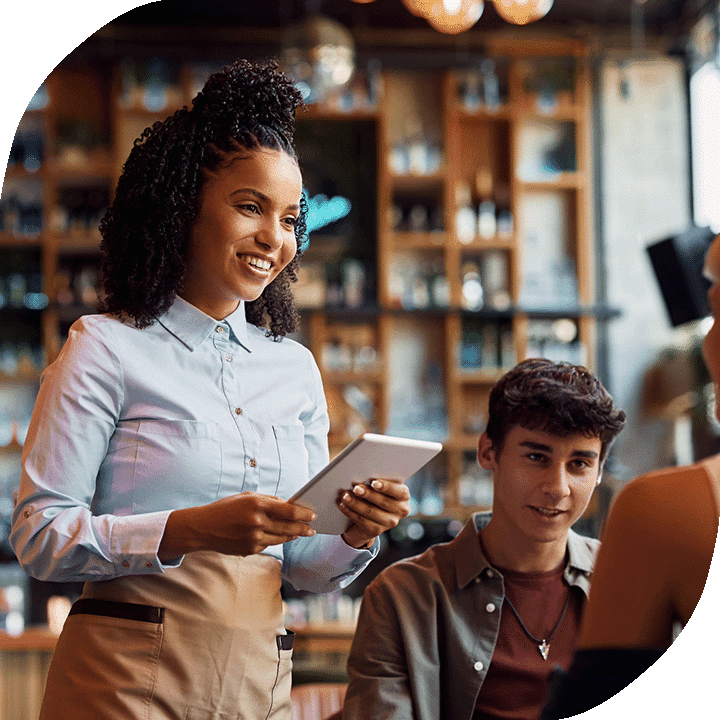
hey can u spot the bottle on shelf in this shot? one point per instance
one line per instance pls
(487, 221)
(465, 217)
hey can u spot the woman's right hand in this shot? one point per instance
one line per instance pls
(242, 524)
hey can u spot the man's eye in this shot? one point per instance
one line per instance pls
(535, 457)
(291, 221)
(249, 207)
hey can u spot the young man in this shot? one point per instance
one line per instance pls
(471, 629)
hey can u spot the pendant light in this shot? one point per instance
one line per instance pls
(319, 55)
(454, 16)
(419, 8)
(522, 12)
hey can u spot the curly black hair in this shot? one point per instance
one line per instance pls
(556, 397)
(245, 106)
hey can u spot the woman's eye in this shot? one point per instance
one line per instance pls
(249, 207)
(291, 221)
(535, 457)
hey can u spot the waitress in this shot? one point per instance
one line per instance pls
(172, 427)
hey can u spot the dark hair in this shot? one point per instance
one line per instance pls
(244, 107)
(555, 397)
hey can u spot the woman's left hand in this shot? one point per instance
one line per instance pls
(373, 509)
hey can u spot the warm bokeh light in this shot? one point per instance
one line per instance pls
(421, 8)
(454, 16)
(522, 12)
(363, 2)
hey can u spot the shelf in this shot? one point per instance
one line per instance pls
(20, 173)
(20, 378)
(561, 181)
(345, 377)
(87, 169)
(413, 182)
(9, 240)
(314, 112)
(504, 112)
(478, 376)
(479, 244)
(571, 114)
(77, 242)
(419, 240)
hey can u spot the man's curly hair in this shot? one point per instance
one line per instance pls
(244, 107)
(555, 397)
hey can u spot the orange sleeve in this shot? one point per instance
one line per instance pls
(656, 550)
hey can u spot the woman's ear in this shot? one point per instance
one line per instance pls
(485, 453)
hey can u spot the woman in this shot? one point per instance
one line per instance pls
(171, 427)
(657, 546)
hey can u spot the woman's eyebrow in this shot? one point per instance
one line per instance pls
(260, 196)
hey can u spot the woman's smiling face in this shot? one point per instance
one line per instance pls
(244, 234)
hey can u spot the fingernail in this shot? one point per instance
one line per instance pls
(341, 505)
(376, 484)
(359, 489)
(309, 532)
(314, 517)
(346, 497)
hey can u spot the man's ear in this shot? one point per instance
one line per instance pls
(485, 453)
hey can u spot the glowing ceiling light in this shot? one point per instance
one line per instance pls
(522, 12)
(454, 16)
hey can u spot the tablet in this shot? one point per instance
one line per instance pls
(369, 456)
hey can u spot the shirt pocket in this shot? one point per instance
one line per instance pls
(178, 463)
(293, 458)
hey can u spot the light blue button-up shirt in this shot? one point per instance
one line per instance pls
(130, 424)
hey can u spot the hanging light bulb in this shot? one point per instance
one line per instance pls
(319, 55)
(454, 16)
(522, 12)
(420, 8)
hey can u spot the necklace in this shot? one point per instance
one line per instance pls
(544, 644)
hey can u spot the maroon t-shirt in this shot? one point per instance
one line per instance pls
(517, 680)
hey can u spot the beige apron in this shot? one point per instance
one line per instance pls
(217, 651)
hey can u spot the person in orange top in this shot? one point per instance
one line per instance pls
(657, 546)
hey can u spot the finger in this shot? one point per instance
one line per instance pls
(391, 488)
(388, 503)
(367, 526)
(284, 510)
(370, 512)
(286, 529)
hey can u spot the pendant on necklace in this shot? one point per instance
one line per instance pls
(544, 648)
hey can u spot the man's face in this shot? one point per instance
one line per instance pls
(542, 482)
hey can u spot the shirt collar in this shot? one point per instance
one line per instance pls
(469, 559)
(191, 326)
(471, 562)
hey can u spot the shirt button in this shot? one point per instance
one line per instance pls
(125, 564)
(490, 607)
(148, 564)
(478, 666)
(253, 462)
(219, 329)
(27, 513)
(228, 357)
(489, 573)
(238, 411)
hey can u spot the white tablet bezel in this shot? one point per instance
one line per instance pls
(369, 456)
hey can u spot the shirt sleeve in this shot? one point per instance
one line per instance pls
(55, 534)
(377, 665)
(322, 563)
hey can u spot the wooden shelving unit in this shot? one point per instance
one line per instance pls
(363, 352)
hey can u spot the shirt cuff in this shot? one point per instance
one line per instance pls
(135, 541)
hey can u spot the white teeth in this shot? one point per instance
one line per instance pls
(256, 262)
(548, 513)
